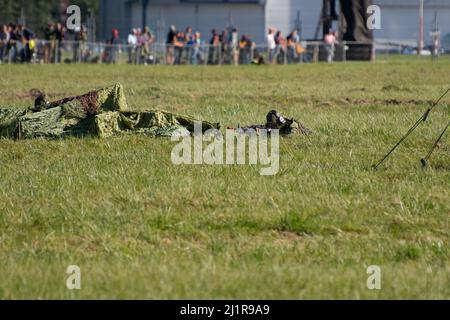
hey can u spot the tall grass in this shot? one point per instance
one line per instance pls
(141, 227)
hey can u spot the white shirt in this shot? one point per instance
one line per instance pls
(132, 40)
(271, 41)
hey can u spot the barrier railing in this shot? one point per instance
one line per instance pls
(41, 51)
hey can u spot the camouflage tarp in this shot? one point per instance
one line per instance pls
(103, 113)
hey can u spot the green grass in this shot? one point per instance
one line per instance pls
(140, 227)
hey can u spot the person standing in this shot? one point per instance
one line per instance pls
(330, 42)
(224, 53)
(246, 47)
(214, 45)
(189, 40)
(12, 47)
(80, 46)
(171, 39)
(197, 54)
(84, 47)
(281, 48)
(145, 41)
(292, 40)
(235, 46)
(49, 45)
(113, 42)
(21, 42)
(179, 47)
(271, 45)
(29, 44)
(4, 39)
(132, 46)
(59, 38)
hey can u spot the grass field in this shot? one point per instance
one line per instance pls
(140, 227)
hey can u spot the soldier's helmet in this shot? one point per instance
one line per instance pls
(275, 120)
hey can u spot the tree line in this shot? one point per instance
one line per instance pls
(37, 13)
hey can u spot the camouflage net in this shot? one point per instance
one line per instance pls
(103, 113)
(9, 121)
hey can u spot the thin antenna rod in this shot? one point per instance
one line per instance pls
(425, 160)
(423, 118)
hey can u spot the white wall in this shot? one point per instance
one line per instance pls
(403, 23)
(399, 17)
(282, 14)
(248, 18)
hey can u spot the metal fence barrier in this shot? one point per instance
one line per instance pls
(40, 51)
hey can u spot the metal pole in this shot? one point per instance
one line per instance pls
(344, 51)
(421, 27)
(144, 13)
(298, 25)
(326, 18)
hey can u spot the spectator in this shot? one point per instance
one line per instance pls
(138, 46)
(271, 45)
(80, 46)
(171, 38)
(18, 44)
(330, 41)
(246, 47)
(113, 42)
(292, 40)
(234, 43)
(280, 41)
(132, 46)
(20, 51)
(114, 36)
(29, 43)
(11, 47)
(225, 54)
(50, 43)
(189, 40)
(4, 39)
(214, 47)
(197, 54)
(25, 43)
(179, 46)
(145, 41)
(59, 38)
